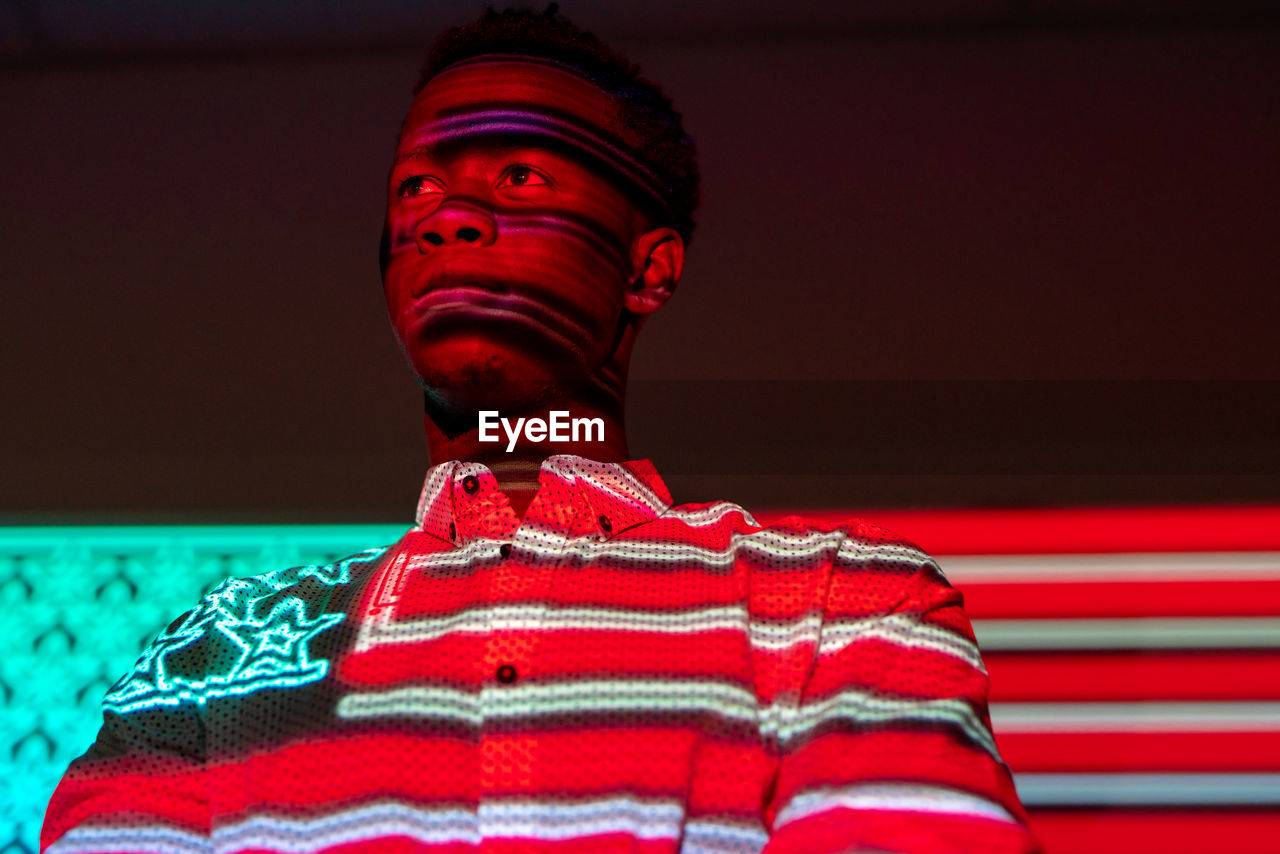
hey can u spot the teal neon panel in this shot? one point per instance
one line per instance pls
(78, 605)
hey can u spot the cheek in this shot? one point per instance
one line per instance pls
(400, 262)
(579, 287)
(572, 251)
(399, 246)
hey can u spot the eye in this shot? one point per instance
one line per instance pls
(519, 175)
(418, 185)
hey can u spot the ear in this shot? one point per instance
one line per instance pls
(657, 260)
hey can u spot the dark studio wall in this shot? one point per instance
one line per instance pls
(937, 267)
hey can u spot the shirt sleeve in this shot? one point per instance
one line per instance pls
(141, 786)
(889, 746)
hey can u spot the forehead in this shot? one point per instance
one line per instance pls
(533, 103)
(492, 150)
(492, 93)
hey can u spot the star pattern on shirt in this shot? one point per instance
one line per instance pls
(150, 679)
(266, 651)
(230, 597)
(275, 646)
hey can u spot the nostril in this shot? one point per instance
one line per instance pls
(471, 235)
(433, 238)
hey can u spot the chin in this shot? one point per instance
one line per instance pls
(474, 373)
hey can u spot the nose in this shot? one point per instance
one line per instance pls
(456, 222)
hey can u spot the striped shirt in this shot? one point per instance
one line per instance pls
(609, 673)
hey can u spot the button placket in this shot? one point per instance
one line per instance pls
(522, 581)
(516, 598)
(518, 595)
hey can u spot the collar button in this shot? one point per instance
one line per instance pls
(471, 483)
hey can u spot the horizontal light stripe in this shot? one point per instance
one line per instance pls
(656, 819)
(645, 819)
(710, 837)
(534, 700)
(728, 701)
(1032, 568)
(1049, 790)
(859, 552)
(1129, 633)
(901, 629)
(775, 547)
(365, 823)
(779, 635)
(1108, 676)
(571, 131)
(1137, 717)
(416, 702)
(891, 796)
(541, 617)
(861, 707)
(704, 517)
(130, 840)
(779, 550)
(641, 818)
(460, 556)
(658, 696)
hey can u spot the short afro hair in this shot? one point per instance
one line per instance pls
(644, 108)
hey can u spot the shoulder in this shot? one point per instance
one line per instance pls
(860, 567)
(858, 544)
(244, 634)
(310, 586)
(847, 541)
(312, 578)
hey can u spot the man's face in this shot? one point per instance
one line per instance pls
(507, 262)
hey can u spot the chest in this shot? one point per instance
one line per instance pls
(615, 681)
(527, 632)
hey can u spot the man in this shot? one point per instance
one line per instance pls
(554, 658)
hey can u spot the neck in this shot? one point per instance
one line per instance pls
(514, 444)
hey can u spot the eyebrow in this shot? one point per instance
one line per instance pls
(451, 147)
(418, 152)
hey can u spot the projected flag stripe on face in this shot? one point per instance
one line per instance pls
(480, 124)
(501, 95)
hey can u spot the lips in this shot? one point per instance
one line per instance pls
(466, 296)
(454, 280)
(469, 302)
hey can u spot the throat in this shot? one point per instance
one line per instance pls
(520, 495)
(518, 480)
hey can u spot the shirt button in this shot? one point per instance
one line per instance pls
(506, 674)
(505, 549)
(605, 524)
(471, 483)
(453, 531)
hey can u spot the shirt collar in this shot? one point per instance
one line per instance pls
(576, 497)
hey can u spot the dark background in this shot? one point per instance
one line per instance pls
(950, 254)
